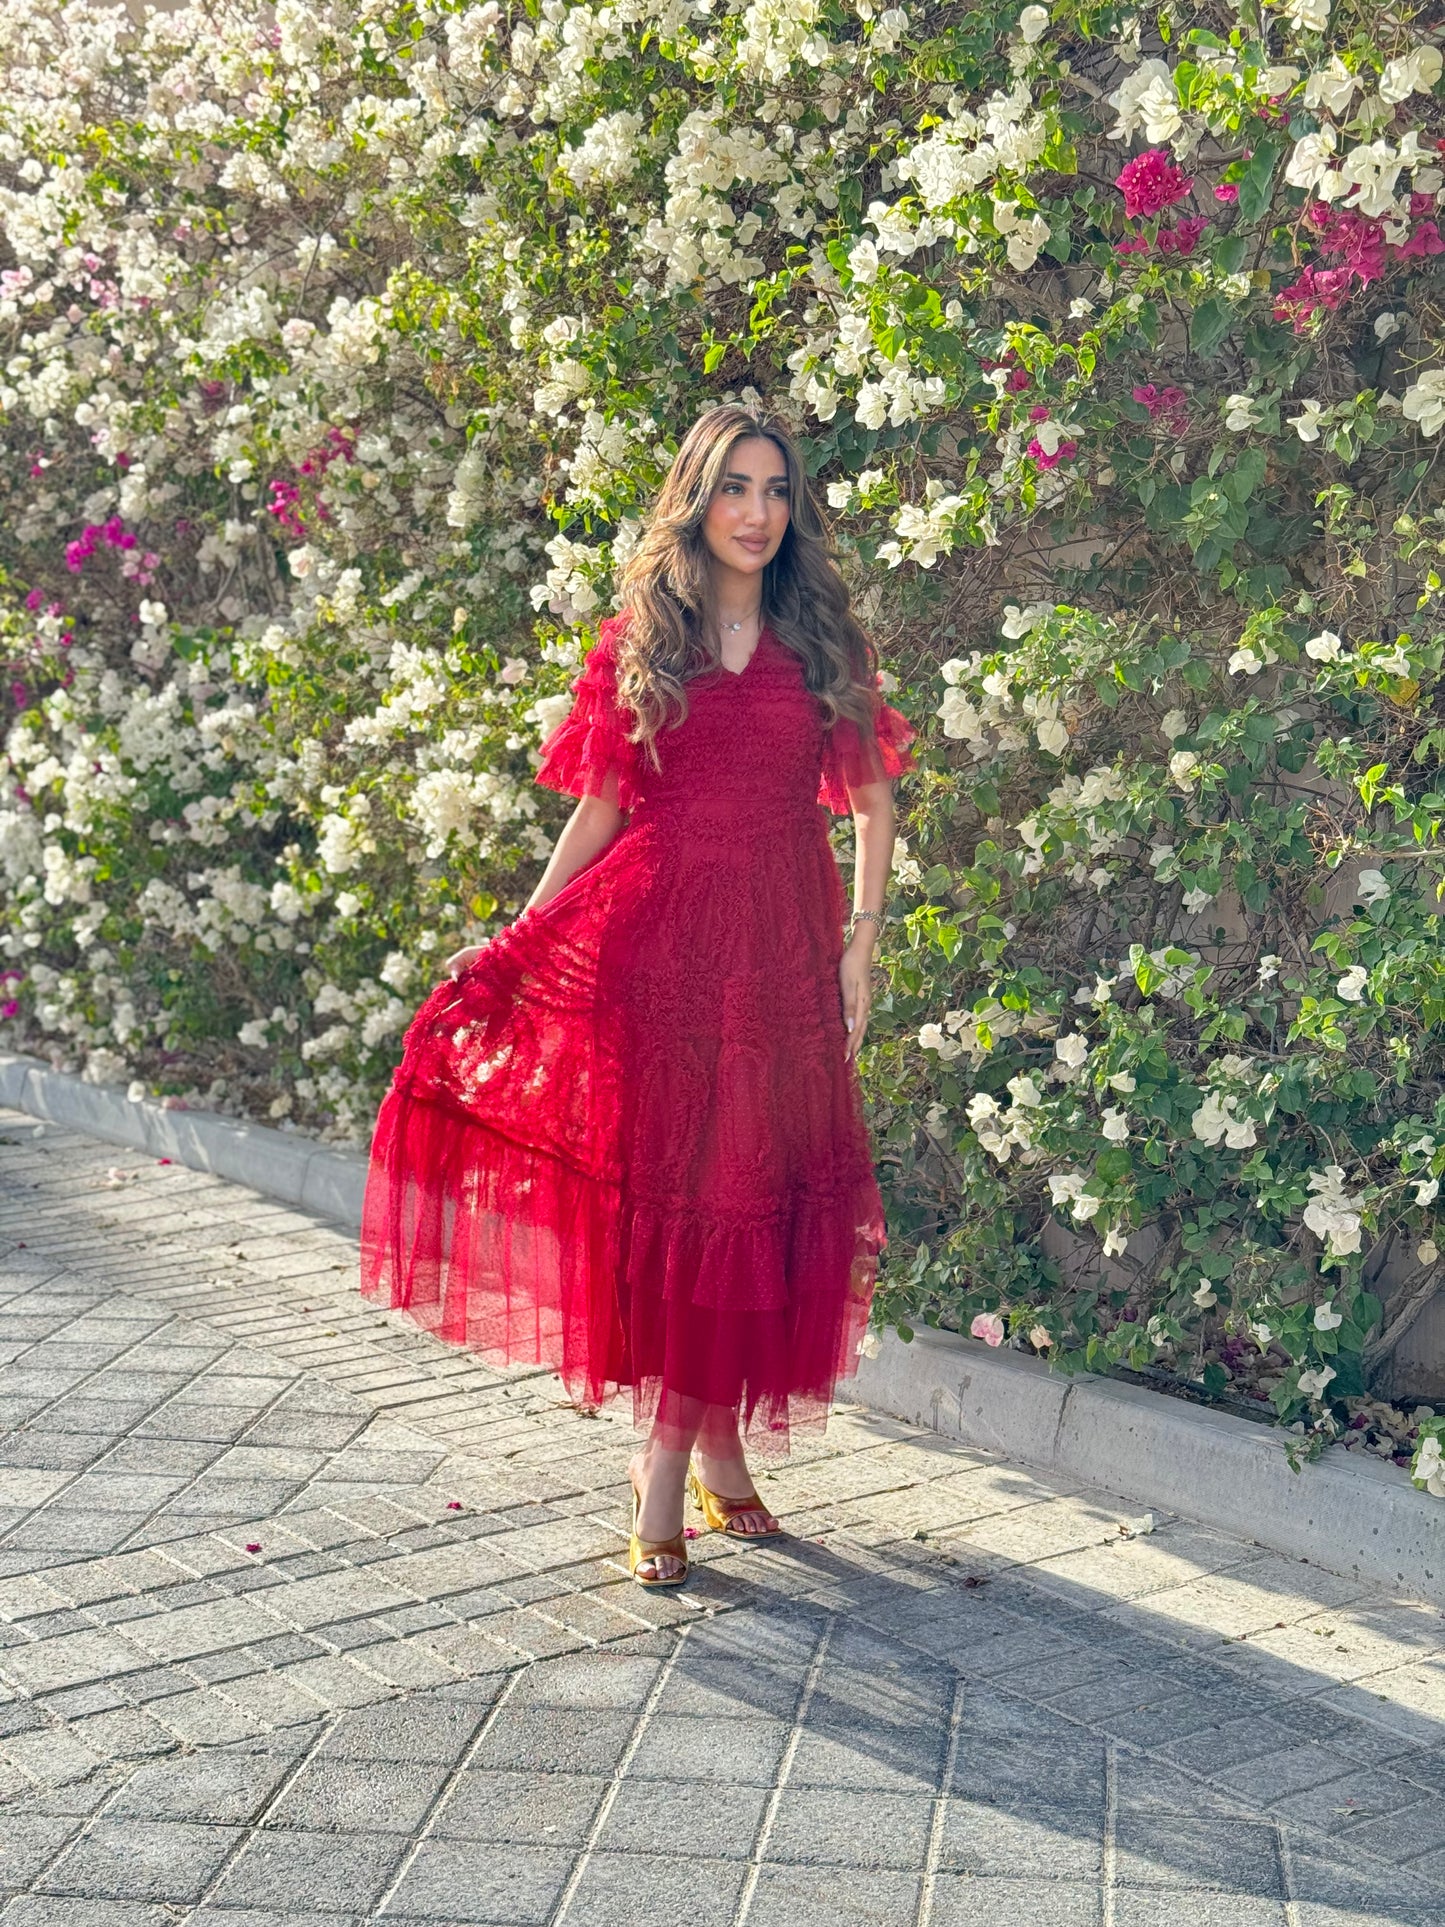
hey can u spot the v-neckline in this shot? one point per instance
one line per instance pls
(738, 674)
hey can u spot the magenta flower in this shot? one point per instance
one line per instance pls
(1227, 191)
(1425, 240)
(1039, 413)
(1065, 452)
(1150, 183)
(12, 1009)
(1132, 244)
(1182, 238)
(1166, 402)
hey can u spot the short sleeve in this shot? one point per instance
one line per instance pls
(853, 756)
(591, 740)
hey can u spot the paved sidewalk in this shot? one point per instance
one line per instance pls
(307, 1619)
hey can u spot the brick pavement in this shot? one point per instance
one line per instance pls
(307, 1619)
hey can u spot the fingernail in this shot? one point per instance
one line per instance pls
(850, 1023)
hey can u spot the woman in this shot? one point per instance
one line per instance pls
(626, 1139)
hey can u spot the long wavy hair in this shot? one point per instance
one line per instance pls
(669, 632)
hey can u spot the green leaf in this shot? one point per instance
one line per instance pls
(1210, 323)
(1256, 189)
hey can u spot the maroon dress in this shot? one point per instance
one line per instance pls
(626, 1142)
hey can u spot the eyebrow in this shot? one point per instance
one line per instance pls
(732, 475)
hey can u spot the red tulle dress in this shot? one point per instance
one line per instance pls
(626, 1142)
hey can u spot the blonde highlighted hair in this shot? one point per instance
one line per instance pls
(665, 586)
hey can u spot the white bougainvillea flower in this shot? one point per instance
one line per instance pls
(1204, 1295)
(1241, 412)
(1173, 723)
(1306, 424)
(1312, 161)
(1417, 72)
(1071, 1050)
(1018, 622)
(1121, 1081)
(1053, 737)
(1388, 324)
(1313, 1384)
(1115, 1242)
(1327, 1319)
(1371, 887)
(1325, 647)
(1332, 87)
(1424, 402)
(1182, 765)
(1427, 1251)
(1426, 1190)
(1115, 1125)
(1332, 1214)
(1268, 968)
(1040, 1337)
(1196, 900)
(1215, 1123)
(1308, 16)
(1033, 23)
(1351, 987)
(988, 1326)
(1159, 111)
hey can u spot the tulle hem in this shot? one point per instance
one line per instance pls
(526, 1260)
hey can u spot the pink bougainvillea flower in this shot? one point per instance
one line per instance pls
(1227, 191)
(1065, 452)
(1182, 238)
(1039, 414)
(454, 1505)
(1425, 240)
(1018, 380)
(1150, 183)
(1168, 402)
(988, 1326)
(1132, 244)
(255, 1546)
(10, 1009)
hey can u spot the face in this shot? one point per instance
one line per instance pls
(748, 516)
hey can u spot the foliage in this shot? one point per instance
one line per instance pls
(339, 360)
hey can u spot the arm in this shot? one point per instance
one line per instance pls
(585, 835)
(874, 827)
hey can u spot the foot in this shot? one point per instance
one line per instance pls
(730, 1478)
(660, 1478)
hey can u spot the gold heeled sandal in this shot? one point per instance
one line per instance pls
(721, 1515)
(639, 1550)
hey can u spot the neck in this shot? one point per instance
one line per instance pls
(735, 596)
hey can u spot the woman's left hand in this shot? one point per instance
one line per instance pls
(855, 978)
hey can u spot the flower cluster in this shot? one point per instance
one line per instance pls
(339, 363)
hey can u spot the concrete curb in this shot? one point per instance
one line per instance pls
(281, 1164)
(1350, 1515)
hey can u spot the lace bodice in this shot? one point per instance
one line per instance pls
(754, 738)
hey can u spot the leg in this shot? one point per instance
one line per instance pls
(724, 1470)
(659, 1472)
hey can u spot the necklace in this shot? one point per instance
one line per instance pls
(735, 626)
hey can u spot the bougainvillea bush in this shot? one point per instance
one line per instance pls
(342, 345)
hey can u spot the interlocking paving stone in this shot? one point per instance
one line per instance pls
(430, 1694)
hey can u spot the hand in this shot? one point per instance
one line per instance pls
(855, 978)
(463, 959)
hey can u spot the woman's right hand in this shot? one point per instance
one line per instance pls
(463, 959)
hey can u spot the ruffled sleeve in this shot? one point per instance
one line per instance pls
(853, 756)
(591, 742)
